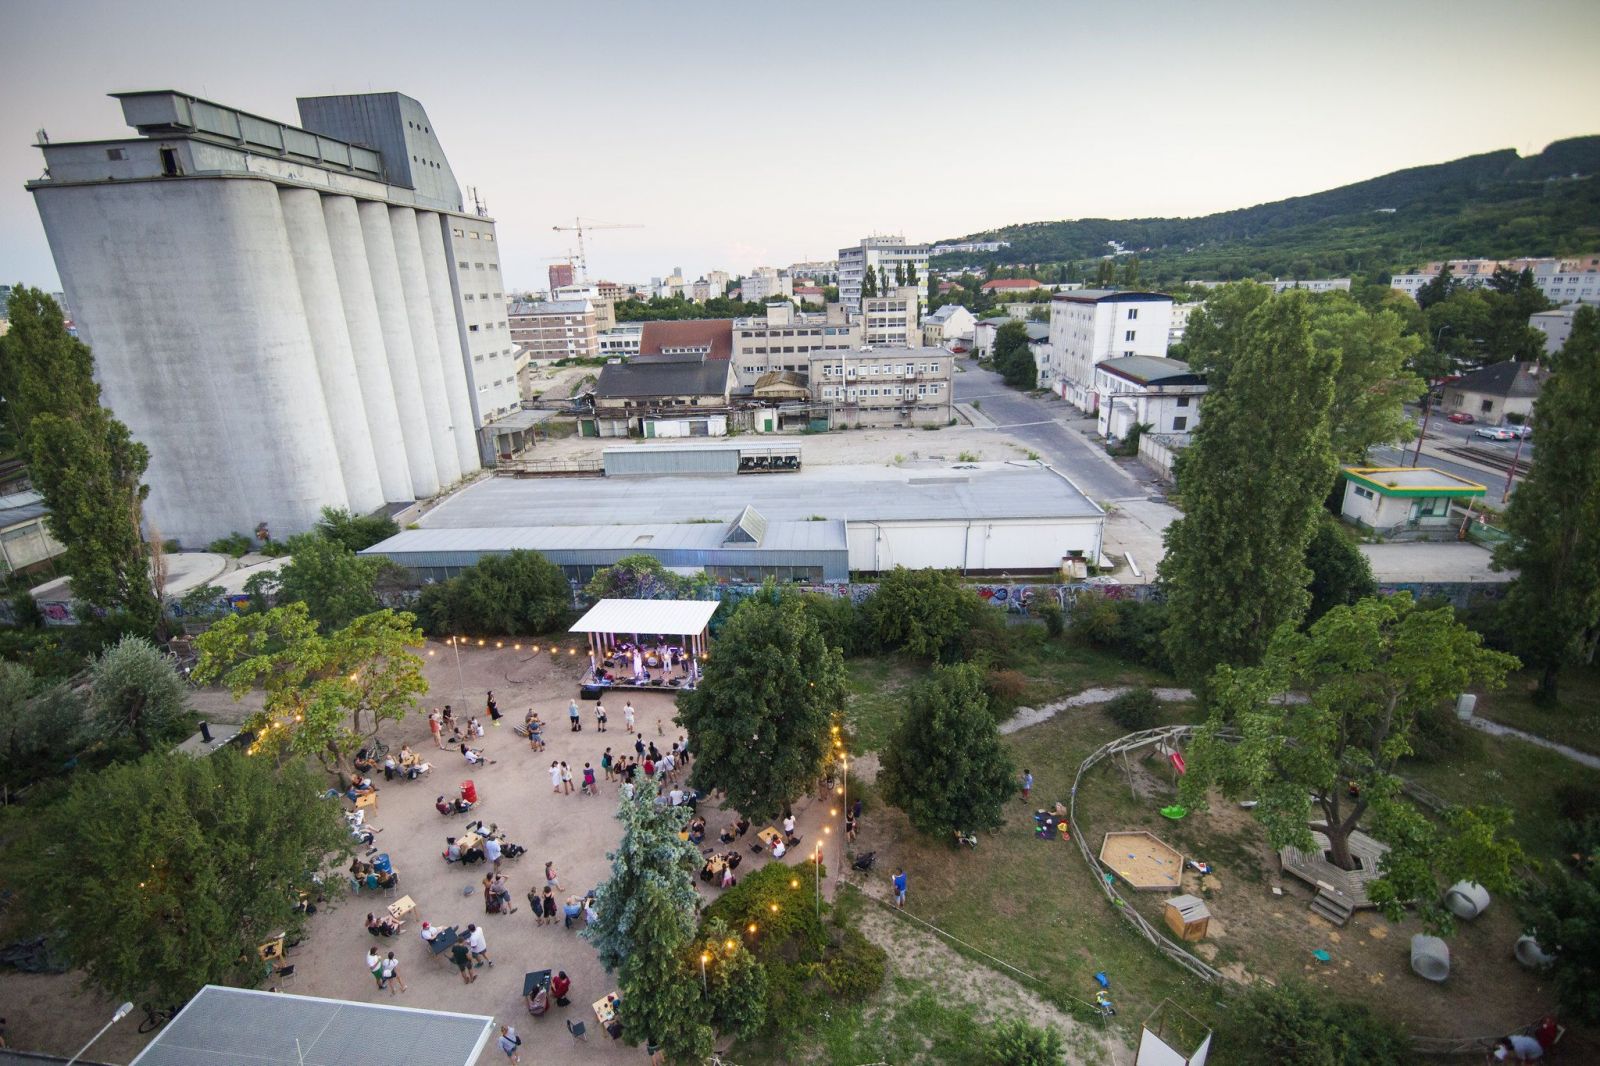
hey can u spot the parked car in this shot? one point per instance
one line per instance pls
(1521, 432)
(1494, 433)
(1462, 417)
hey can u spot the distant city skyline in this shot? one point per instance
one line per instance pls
(784, 136)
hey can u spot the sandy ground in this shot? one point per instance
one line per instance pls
(575, 831)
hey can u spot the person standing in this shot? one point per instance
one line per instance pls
(855, 810)
(391, 973)
(433, 727)
(606, 766)
(478, 944)
(375, 965)
(549, 906)
(850, 829)
(492, 852)
(555, 776)
(566, 779)
(599, 717)
(588, 781)
(899, 881)
(462, 957)
(1027, 783)
(560, 986)
(492, 708)
(510, 1042)
(627, 715)
(550, 878)
(572, 716)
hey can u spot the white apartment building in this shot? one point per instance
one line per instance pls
(1179, 323)
(946, 326)
(909, 387)
(1309, 284)
(766, 283)
(786, 339)
(1555, 325)
(1163, 394)
(288, 317)
(821, 271)
(671, 285)
(1089, 326)
(605, 314)
(1563, 281)
(621, 341)
(969, 247)
(550, 330)
(891, 321)
(882, 255)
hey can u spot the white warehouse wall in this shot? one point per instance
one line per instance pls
(1000, 544)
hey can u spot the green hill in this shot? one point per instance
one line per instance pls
(1495, 204)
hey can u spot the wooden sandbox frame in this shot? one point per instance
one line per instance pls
(1143, 860)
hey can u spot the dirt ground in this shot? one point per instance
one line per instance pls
(52, 1014)
(1255, 935)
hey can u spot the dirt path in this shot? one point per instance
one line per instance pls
(1027, 716)
(922, 956)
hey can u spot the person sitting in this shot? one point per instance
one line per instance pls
(560, 985)
(778, 848)
(728, 834)
(539, 1002)
(361, 786)
(571, 910)
(675, 797)
(474, 728)
(382, 926)
(452, 806)
(386, 878)
(429, 934)
(697, 830)
(473, 756)
(590, 915)
(364, 762)
(733, 859)
(743, 825)
(728, 880)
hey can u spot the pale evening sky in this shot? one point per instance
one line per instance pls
(762, 134)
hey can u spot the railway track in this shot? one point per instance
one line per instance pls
(1494, 460)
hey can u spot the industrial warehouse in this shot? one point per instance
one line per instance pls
(708, 508)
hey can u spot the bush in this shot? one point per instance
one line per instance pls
(1054, 622)
(839, 621)
(1270, 1025)
(516, 594)
(1006, 689)
(1131, 629)
(355, 531)
(854, 968)
(1135, 709)
(234, 544)
(925, 613)
(1016, 1043)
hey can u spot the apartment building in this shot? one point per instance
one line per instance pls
(622, 341)
(786, 340)
(948, 325)
(1309, 284)
(1179, 325)
(891, 320)
(1563, 281)
(765, 283)
(560, 276)
(548, 330)
(1163, 394)
(819, 271)
(883, 255)
(605, 313)
(1089, 326)
(903, 387)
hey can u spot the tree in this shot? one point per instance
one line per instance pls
(1130, 273)
(42, 725)
(1340, 574)
(922, 612)
(945, 766)
(1105, 273)
(336, 585)
(736, 983)
(899, 274)
(645, 919)
(519, 593)
(1269, 1024)
(205, 603)
(759, 719)
(135, 694)
(165, 874)
(869, 283)
(1329, 713)
(355, 532)
(326, 693)
(1563, 915)
(1553, 607)
(1016, 1043)
(1437, 289)
(1235, 564)
(637, 577)
(1012, 356)
(84, 462)
(883, 281)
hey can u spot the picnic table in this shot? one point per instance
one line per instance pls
(443, 942)
(605, 1010)
(769, 836)
(469, 840)
(401, 907)
(532, 980)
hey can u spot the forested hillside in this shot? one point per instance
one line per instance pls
(1496, 204)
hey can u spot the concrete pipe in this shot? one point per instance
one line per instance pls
(1430, 957)
(1466, 899)
(1530, 954)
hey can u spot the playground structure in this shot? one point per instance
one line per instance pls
(1142, 860)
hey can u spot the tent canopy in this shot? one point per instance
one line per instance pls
(680, 617)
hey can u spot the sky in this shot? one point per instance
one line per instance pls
(764, 134)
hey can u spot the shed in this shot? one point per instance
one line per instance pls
(1188, 917)
(1391, 498)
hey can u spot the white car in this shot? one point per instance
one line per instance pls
(1495, 433)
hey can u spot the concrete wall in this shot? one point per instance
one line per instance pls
(1020, 544)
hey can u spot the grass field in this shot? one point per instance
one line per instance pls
(1574, 722)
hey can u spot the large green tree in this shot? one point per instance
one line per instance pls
(165, 874)
(336, 585)
(84, 462)
(944, 766)
(1340, 574)
(43, 725)
(355, 531)
(327, 693)
(925, 613)
(1562, 912)
(758, 721)
(1553, 607)
(645, 920)
(136, 695)
(520, 593)
(1013, 359)
(1338, 706)
(637, 577)
(1254, 481)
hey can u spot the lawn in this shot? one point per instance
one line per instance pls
(1575, 722)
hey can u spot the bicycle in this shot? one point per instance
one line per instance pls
(155, 1018)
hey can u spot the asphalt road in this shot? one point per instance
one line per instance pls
(1445, 434)
(1043, 424)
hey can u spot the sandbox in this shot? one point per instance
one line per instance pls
(1142, 860)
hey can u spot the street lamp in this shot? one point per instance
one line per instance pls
(122, 1012)
(705, 957)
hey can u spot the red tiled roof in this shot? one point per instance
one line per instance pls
(809, 290)
(1012, 283)
(690, 333)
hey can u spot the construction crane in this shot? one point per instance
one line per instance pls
(578, 226)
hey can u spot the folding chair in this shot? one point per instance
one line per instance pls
(578, 1030)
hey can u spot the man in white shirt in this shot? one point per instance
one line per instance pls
(429, 934)
(675, 797)
(788, 825)
(478, 946)
(491, 851)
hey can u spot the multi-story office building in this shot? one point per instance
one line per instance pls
(785, 339)
(891, 320)
(288, 317)
(883, 255)
(560, 277)
(765, 283)
(545, 331)
(906, 387)
(605, 311)
(1089, 326)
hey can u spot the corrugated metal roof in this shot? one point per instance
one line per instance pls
(700, 536)
(914, 492)
(228, 1026)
